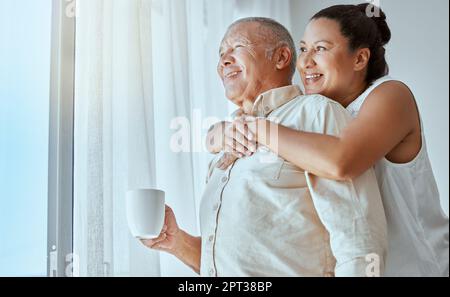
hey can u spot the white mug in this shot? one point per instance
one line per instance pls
(145, 212)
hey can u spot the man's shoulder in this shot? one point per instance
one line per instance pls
(314, 113)
(315, 103)
(318, 101)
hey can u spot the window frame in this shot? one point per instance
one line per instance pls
(60, 258)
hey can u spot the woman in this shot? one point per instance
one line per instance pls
(342, 56)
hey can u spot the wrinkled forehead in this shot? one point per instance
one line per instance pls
(247, 33)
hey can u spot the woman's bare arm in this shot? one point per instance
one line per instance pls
(388, 123)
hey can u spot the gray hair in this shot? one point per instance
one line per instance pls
(277, 33)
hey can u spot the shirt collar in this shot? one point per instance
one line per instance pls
(272, 99)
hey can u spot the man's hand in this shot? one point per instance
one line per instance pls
(168, 240)
(238, 139)
(215, 137)
(225, 161)
(175, 241)
(264, 131)
(233, 137)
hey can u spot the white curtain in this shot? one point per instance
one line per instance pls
(145, 72)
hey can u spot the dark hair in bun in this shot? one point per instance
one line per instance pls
(365, 26)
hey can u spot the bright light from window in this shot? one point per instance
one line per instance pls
(25, 29)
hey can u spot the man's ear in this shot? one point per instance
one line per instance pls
(283, 57)
(362, 59)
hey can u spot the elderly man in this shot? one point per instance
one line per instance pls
(263, 216)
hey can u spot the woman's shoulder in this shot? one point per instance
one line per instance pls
(393, 93)
(392, 85)
(393, 104)
(384, 91)
(319, 101)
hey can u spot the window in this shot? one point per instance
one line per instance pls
(25, 45)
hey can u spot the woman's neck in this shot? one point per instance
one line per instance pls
(351, 95)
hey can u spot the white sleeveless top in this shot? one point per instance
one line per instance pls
(417, 227)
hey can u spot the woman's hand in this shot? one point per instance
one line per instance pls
(232, 137)
(169, 238)
(237, 145)
(238, 139)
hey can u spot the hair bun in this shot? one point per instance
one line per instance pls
(379, 17)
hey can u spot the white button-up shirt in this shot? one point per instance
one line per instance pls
(264, 216)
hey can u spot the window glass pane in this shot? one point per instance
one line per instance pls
(25, 29)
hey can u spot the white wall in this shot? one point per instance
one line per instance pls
(418, 55)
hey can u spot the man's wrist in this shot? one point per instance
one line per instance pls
(184, 244)
(188, 250)
(178, 250)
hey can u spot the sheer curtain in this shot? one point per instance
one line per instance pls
(145, 73)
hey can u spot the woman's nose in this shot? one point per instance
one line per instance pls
(306, 61)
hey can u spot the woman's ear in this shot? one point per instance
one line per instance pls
(283, 57)
(362, 59)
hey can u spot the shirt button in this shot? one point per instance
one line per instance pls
(211, 272)
(224, 179)
(211, 238)
(267, 108)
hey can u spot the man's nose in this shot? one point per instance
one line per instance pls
(306, 60)
(226, 60)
